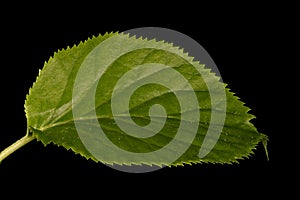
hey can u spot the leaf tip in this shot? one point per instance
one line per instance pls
(265, 143)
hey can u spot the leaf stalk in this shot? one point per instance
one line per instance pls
(17, 145)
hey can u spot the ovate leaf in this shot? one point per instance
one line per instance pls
(125, 100)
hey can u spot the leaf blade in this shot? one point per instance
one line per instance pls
(49, 106)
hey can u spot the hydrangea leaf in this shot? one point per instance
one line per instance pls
(80, 89)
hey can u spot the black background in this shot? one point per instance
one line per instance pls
(240, 41)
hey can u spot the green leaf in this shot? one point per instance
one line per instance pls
(125, 100)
